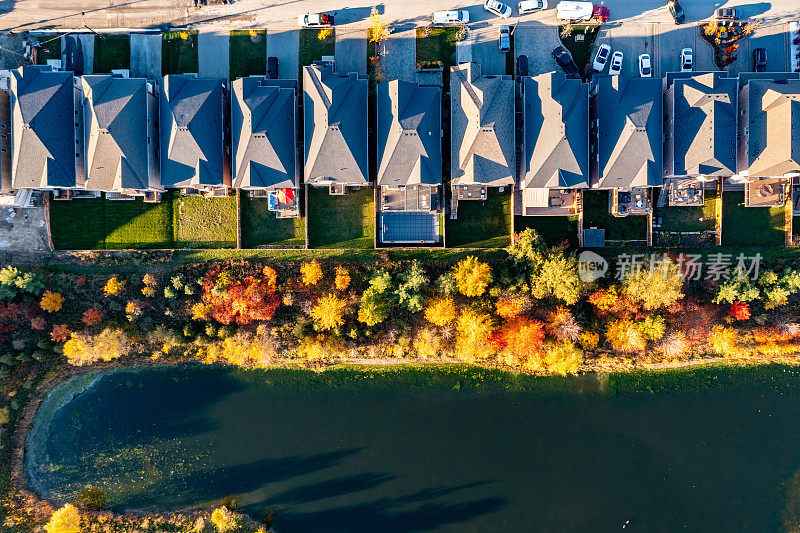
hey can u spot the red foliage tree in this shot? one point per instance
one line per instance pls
(92, 316)
(739, 311)
(242, 301)
(522, 337)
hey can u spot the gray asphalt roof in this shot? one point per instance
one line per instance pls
(630, 132)
(774, 127)
(556, 132)
(263, 130)
(481, 127)
(704, 115)
(191, 131)
(43, 128)
(335, 119)
(115, 132)
(409, 134)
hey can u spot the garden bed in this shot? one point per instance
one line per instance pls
(260, 227)
(750, 226)
(724, 38)
(248, 53)
(112, 52)
(346, 221)
(179, 53)
(482, 223)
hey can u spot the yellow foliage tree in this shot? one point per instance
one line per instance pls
(241, 350)
(562, 358)
(107, 345)
(329, 312)
(223, 519)
(51, 301)
(378, 28)
(324, 33)
(428, 344)
(311, 272)
(342, 280)
(625, 336)
(473, 330)
(472, 276)
(148, 291)
(113, 286)
(65, 520)
(149, 280)
(511, 306)
(441, 311)
(201, 311)
(723, 341)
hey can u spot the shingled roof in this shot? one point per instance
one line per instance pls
(191, 131)
(409, 134)
(43, 128)
(481, 127)
(335, 120)
(556, 132)
(630, 132)
(773, 140)
(115, 133)
(263, 127)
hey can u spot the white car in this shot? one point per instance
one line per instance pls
(315, 20)
(601, 58)
(531, 6)
(616, 64)
(645, 68)
(446, 18)
(687, 60)
(498, 8)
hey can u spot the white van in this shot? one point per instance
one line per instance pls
(446, 18)
(531, 6)
(574, 10)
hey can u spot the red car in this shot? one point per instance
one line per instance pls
(601, 13)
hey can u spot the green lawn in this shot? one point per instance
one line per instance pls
(677, 219)
(482, 223)
(341, 221)
(555, 230)
(112, 53)
(746, 226)
(437, 46)
(199, 222)
(179, 52)
(261, 227)
(581, 50)
(596, 214)
(50, 48)
(248, 53)
(312, 48)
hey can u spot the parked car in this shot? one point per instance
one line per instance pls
(564, 60)
(581, 11)
(522, 65)
(687, 60)
(760, 60)
(676, 11)
(531, 6)
(616, 64)
(601, 58)
(272, 67)
(726, 13)
(645, 68)
(505, 38)
(446, 18)
(498, 8)
(313, 20)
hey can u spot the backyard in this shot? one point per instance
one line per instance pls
(260, 227)
(671, 221)
(248, 53)
(620, 229)
(179, 52)
(175, 222)
(437, 46)
(111, 52)
(346, 221)
(481, 223)
(555, 230)
(579, 40)
(750, 225)
(314, 44)
(49, 48)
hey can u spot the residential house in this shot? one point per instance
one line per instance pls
(629, 126)
(120, 137)
(481, 133)
(555, 145)
(769, 136)
(409, 161)
(265, 162)
(335, 122)
(192, 124)
(700, 144)
(46, 141)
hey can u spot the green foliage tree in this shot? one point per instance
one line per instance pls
(374, 308)
(527, 248)
(446, 284)
(737, 288)
(412, 284)
(556, 276)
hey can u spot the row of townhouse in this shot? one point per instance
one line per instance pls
(127, 137)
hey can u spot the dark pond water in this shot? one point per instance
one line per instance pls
(458, 450)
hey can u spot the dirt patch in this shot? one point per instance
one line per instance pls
(24, 229)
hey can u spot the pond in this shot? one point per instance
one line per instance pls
(432, 450)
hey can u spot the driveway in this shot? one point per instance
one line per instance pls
(146, 55)
(485, 50)
(537, 40)
(213, 53)
(285, 45)
(670, 40)
(399, 56)
(351, 50)
(633, 39)
(77, 53)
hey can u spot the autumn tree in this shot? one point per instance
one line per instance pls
(441, 311)
(555, 275)
(413, 282)
(625, 336)
(561, 324)
(107, 345)
(737, 288)
(113, 286)
(51, 301)
(342, 279)
(723, 341)
(223, 519)
(311, 272)
(562, 358)
(739, 311)
(92, 316)
(673, 345)
(656, 289)
(378, 28)
(472, 276)
(474, 329)
(65, 520)
(520, 338)
(60, 333)
(328, 313)
(512, 305)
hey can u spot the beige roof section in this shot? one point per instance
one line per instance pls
(482, 127)
(774, 136)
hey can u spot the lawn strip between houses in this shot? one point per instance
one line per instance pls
(753, 226)
(248, 53)
(112, 52)
(179, 52)
(260, 226)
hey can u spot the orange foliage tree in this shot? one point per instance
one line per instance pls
(92, 316)
(242, 301)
